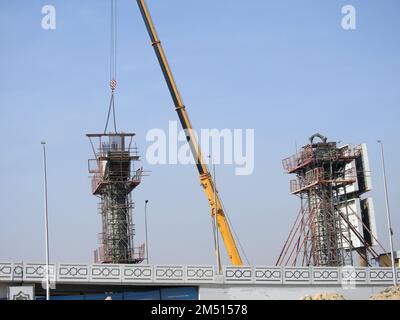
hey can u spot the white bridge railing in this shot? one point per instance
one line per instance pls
(193, 274)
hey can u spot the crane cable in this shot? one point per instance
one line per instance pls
(215, 227)
(113, 63)
(234, 233)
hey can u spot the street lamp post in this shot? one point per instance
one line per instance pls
(219, 268)
(388, 215)
(46, 216)
(145, 226)
(215, 221)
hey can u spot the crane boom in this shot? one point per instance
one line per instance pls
(205, 177)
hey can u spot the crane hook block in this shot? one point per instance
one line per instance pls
(113, 84)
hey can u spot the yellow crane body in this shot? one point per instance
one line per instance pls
(205, 177)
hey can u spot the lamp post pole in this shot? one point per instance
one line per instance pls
(388, 215)
(145, 226)
(219, 269)
(46, 216)
(217, 253)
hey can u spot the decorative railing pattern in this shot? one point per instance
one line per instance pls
(106, 273)
(238, 274)
(73, 272)
(381, 275)
(6, 271)
(325, 275)
(180, 274)
(297, 275)
(36, 272)
(169, 273)
(200, 274)
(357, 275)
(268, 275)
(137, 273)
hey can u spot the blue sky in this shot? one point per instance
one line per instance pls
(285, 68)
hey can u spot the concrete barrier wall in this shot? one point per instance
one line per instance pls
(284, 291)
(195, 274)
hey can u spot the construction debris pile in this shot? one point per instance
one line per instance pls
(391, 293)
(324, 296)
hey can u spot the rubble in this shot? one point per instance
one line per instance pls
(391, 293)
(324, 296)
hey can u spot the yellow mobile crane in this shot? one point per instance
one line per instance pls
(205, 177)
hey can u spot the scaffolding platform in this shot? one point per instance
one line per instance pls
(114, 177)
(327, 182)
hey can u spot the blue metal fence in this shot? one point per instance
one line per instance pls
(168, 293)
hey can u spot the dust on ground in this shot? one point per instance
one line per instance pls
(324, 296)
(391, 293)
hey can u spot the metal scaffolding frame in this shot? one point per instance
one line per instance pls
(113, 179)
(322, 233)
